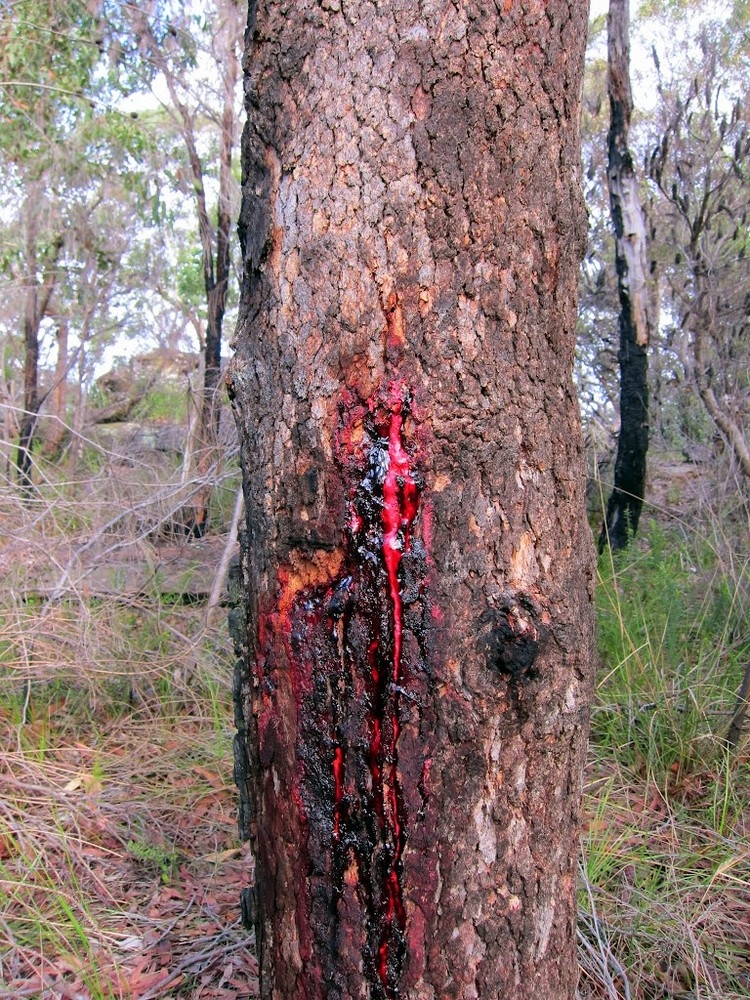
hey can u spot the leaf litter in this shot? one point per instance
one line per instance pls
(120, 866)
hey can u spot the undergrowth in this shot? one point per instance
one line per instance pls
(120, 869)
(674, 642)
(665, 873)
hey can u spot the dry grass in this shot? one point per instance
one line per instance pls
(120, 868)
(665, 907)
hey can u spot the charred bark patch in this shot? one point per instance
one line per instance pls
(626, 500)
(510, 638)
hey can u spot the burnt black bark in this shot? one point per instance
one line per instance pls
(626, 500)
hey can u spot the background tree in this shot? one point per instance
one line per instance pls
(626, 500)
(700, 163)
(63, 155)
(596, 372)
(597, 337)
(168, 43)
(413, 703)
(45, 69)
(101, 55)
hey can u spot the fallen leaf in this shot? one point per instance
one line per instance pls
(88, 782)
(233, 852)
(214, 779)
(133, 943)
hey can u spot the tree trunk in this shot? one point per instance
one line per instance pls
(79, 407)
(38, 294)
(721, 418)
(629, 223)
(27, 426)
(215, 240)
(412, 696)
(56, 435)
(217, 283)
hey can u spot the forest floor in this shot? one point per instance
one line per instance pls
(120, 866)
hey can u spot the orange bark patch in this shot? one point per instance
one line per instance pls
(420, 104)
(523, 566)
(317, 570)
(274, 259)
(394, 317)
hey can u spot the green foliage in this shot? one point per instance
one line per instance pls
(671, 664)
(57, 95)
(739, 19)
(162, 859)
(668, 9)
(48, 58)
(190, 283)
(166, 400)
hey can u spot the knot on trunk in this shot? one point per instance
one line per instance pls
(510, 637)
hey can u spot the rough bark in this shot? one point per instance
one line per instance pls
(629, 223)
(415, 671)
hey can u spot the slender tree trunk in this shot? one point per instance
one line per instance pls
(217, 289)
(215, 240)
(9, 409)
(38, 293)
(30, 387)
(79, 412)
(217, 286)
(195, 411)
(57, 431)
(416, 635)
(721, 418)
(628, 219)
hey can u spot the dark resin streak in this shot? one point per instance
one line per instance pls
(350, 672)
